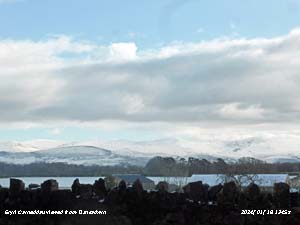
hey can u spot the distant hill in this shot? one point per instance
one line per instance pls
(78, 155)
(271, 149)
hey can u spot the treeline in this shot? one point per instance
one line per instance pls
(157, 166)
(62, 169)
(168, 166)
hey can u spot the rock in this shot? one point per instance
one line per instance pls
(62, 199)
(121, 220)
(16, 186)
(229, 194)
(134, 205)
(295, 199)
(122, 185)
(264, 201)
(49, 185)
(86, 191)
(112, 197)
(196, 191)
(174, 218)
(174, 188)
(4, 194)
(76, 187)
(253, 195)
(99, 188)
(213, 192)
(162, 186)
(282, 195)
(232, 218)
(137, 187)
(205, 194)
(33, 186)
(243, 201)
(253, 191)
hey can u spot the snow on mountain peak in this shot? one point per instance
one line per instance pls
(270, 148)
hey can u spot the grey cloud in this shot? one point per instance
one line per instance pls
(251, 81)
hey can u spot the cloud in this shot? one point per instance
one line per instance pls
(55, 131)
(235, 111)
(123, 51)
(244, 81)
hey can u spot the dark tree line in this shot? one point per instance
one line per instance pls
(157, 166)
(62, 169)
(167, 166)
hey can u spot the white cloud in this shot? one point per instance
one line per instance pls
(245, 81)
(123, 51)
(56, 131)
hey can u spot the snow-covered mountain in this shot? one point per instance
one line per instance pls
(99, 152)
(14, 146)
(29, 146)
(81, 155)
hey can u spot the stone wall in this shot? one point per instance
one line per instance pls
(197, 204)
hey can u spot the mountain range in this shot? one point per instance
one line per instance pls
(122, 152)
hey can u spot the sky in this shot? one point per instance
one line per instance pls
(145, 70)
